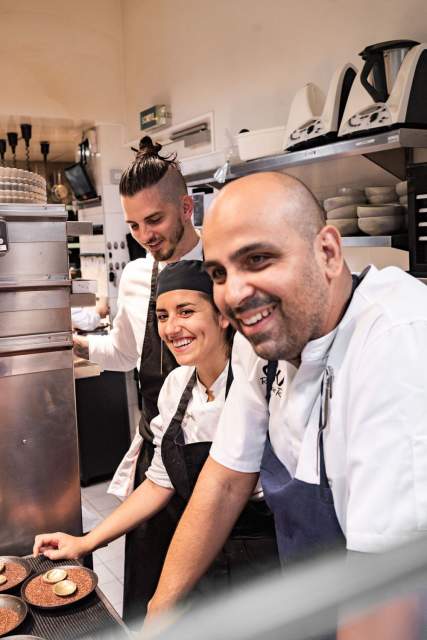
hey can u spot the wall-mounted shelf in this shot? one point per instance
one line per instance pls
(92, 254)
(388, 149)
(88, 204)
(399, 241)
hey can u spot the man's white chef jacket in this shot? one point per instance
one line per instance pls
(85, 318)
(121, 349)
(376, 440)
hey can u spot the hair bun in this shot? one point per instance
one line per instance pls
(147, 147)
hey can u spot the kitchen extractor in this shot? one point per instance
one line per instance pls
(39, 473)
(390, 90)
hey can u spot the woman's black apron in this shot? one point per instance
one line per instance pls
(251, 548)
(146, 545)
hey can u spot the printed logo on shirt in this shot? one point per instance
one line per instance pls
(279, 380)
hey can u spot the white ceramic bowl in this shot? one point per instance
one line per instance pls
(341, 201)
(381, 225)
(343, 213)
(379, 191)
(375, 211)
(383, 199)
(352, 191)
(402, 188)
(346, 227)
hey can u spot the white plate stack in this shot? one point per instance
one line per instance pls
(341, 210)
(21, 187)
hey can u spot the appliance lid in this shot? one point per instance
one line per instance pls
(386, 46)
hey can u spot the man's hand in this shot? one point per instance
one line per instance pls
(102, 307)
(81, 346)
(218, 498)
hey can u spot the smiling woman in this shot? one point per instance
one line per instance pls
(188, 321)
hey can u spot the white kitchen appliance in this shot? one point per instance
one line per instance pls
(260, 143)
(306, 109)
(390, 91)
(314, 120)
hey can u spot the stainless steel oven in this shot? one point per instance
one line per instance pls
(39, 474)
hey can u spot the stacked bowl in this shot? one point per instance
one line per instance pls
(402, 193)
(21, 187)
(341, 211)
(383, 215)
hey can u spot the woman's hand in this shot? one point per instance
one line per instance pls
(60, 546)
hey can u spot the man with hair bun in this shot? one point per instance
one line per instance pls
(158, 210)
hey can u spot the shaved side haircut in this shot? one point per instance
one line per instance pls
(150, 169)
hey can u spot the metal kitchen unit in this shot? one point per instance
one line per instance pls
(401, 152)
(39, 470)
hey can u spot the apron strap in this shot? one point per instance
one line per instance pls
(271, 374)
(326, 395)
(230, 378)
(153, 286)
(174, 430)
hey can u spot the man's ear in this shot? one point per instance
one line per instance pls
(187, 207)
(329, 251)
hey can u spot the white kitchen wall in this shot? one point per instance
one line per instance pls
(245, 59)
(62, 59)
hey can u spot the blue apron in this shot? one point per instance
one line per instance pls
(304, 513)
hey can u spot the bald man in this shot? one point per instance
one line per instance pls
(329, 403)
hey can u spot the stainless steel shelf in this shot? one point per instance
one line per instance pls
(399, 241)
(88, 204)
(376, 145)
(24, 211)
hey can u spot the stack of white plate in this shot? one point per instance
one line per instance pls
(341, 211)
(402, 193)
(21, 187)
(381, 195)
(380, 220)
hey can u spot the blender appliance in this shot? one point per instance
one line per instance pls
(390, 91)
